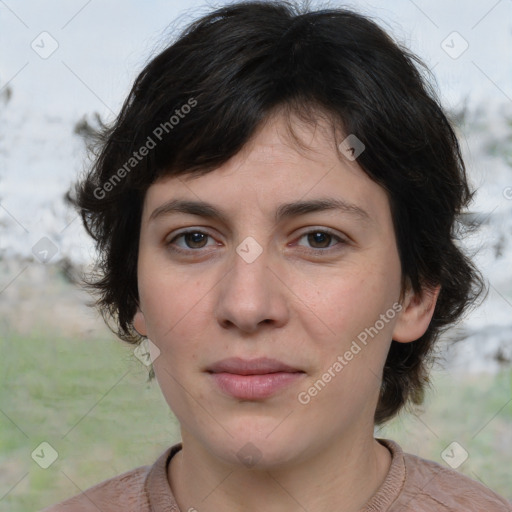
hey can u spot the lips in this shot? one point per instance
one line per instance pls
(253, 379)
(260, 366)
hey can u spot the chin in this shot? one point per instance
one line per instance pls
(258, 443)
(258, 454)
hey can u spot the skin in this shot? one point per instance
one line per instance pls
(301, 308)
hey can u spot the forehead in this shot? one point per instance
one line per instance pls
(274, 168)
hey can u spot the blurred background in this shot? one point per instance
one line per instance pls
(76, 406)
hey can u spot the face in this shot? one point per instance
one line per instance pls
(273, 323)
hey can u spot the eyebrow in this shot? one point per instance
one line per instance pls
(284, 211)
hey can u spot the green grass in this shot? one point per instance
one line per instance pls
(473, 410)
(90, 400)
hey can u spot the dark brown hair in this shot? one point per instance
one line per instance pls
(197, 103)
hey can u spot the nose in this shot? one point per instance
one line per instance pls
(251, 295)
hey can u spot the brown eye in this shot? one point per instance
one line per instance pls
(191, 240)
(195, 239)
(321, 241)
(321, 238)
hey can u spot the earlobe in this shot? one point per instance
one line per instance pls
(416, 315)
(139, 322)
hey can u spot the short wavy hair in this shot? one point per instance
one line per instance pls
(197, 103)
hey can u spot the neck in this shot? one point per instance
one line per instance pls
(342, 479)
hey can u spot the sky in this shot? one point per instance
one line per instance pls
(102, 45)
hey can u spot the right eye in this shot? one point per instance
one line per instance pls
(193, 238)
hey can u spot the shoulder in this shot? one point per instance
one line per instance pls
(429, 486)
(123, 493)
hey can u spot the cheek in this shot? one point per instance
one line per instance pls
(360, 316)
(169, 299)
(176, 321)
(178, 307)
(339, 306)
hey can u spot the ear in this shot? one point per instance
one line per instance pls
(139, 322)
(415, 317)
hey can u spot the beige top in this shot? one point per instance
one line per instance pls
(412, 484)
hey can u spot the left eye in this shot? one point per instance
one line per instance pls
(323, 238)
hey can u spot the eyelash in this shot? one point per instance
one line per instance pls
(341, 241)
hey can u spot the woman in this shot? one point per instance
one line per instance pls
(274, 209)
